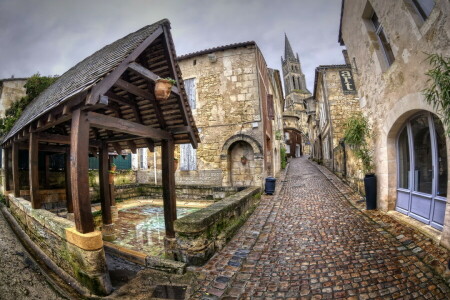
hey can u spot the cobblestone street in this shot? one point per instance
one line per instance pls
(310, 242)
(20, 277)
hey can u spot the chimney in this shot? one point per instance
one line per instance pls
(347, 60)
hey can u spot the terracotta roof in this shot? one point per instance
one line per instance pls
(220, 48)
(83, 75)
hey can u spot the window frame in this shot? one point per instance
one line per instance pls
(388, 54)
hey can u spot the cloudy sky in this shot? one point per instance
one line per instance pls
(50, 36)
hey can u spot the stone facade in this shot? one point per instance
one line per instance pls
(231, 86)
(335, 102)
(11, 90)
(294, 116)
(390, 77)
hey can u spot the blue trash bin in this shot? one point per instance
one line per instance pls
(270, 186)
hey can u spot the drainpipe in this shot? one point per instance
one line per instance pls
(154, 165)
(345, 158)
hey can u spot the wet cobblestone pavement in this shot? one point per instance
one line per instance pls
(309, 242)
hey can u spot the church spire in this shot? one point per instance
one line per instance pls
(288, 53)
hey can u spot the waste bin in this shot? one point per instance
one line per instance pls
(270, 186)
(370, 186)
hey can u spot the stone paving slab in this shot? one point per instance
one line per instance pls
(309, 242)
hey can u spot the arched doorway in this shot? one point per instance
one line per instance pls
(422, 170)
(242, 160)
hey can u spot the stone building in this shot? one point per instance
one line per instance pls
(388, 42)
(237, 103)
(11, 90)
(335, 102)
(294, 116)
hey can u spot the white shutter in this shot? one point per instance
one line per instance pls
(189, 86)
(188, 157)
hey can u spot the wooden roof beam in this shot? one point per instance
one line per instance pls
(124, 126)
(103, 86)
(149, 75)
(131, 88)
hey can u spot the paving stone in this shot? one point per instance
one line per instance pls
(310, 242)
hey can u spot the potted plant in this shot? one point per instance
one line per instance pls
(356, 133)
(163, 88)
(244, 160)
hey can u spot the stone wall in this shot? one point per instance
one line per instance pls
(188, 192)
(202, 233)
(227, 104)
(392, 94)
(79, 255)
(11, 90)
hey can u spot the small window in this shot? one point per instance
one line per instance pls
(386, 47)
(424, 7)
(189, 86)
(142, 158)
(188, 157)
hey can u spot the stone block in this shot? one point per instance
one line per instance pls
(86, 241)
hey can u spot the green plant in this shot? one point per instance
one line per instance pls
(278, 135)
(283, 157)
(357, 131)
(171, 80)
(35, 85)
(438, 92)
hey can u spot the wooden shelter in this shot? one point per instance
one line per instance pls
(103, 104)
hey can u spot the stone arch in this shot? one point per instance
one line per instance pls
(255, 164)
(257, 148)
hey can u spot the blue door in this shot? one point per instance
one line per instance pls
(422, 170)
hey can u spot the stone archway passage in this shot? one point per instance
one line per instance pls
(242, 164)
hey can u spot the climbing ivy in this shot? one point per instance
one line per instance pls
(357, 131)
(283, 158)
(438, 91)
(35, 85)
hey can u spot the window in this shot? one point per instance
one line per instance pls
(142, 158)
(188, 157)
(386, 47)
(189, 86)
(293, 83)
(424, 7)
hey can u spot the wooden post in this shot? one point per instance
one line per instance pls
(7, 168)
(47, 171)
(105, 192)
(79, 163)
(34, 170)
(111, 184)
(69, 203)
(15, 169)
(168, 180)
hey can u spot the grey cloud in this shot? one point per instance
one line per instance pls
(50, 36)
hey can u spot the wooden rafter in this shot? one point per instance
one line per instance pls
(112, 77)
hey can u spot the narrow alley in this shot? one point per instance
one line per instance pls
(311, 243)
